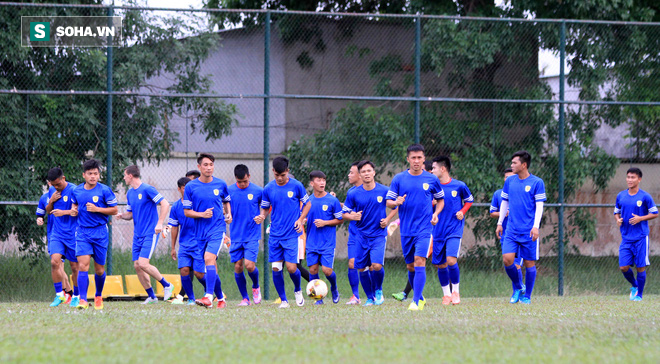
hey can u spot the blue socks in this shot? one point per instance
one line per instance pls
(254, 276)
(313, 276)
(418, 284)
(411, 278)
(520, 276)
(150, 292)
(443, 276)
(211, 276)
(295, 277)
(365, 278)
(512, 272)
(186, 282)
(278, 281)
(333, 282)
(630, 276)
(164, 282)
(203, 281)
(454, 273)
(354, 281)
(58, 287)
(377, 276)
(241, 282)
(529, 281)
(641, 281)
(100, 282)
(83, 283)
(218, 288)
(76, 291)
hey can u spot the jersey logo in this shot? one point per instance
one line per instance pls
(425, 186)
(290, 194)
(528, 188)
(95, 199)
(216, 192)
(379, 199)
(139, 196)
(454, 193)
(250, 196)
(66, 198)
(639, 203)
(325, 207)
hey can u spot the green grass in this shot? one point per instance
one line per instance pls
(20, 281)
(552, 329)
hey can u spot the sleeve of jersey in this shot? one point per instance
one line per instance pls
(539, 193)
(467, 195)
(393, 193)
(348, 204)
(337, 210)
(505, 191)
(617, 206)
(41, 208)
(110, 198)
(439, 194)
(304, 197)
(187, 198)
(653, 209)
(73, 197)
(265, 200)
(225, 192)
(173, 219)
(154, 195)
(494, 204)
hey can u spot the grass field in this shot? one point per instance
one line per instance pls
(553, 329)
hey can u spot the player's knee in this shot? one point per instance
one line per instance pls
(640, 269)
(441, 266)
(410, 267)
(136, 265)
(507, 261)
(327, 271)
(291, 267)
(74, 268)
(55, 263)
(420, 261)
(624, 269)
(238, 267)
(451, 260)
(277, 266)
(99, 270)
(199, 275)
(184, 271)
(250, 266)
(377, 266)
(351, 263)
(314, 269)
(529, 263)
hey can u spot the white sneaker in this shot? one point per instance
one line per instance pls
(150, 300)
(284, 304)
(300, 299)
(167, 292)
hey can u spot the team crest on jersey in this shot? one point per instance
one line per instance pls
(325, 207)
(639, 203)
(454, 193)
(139, 196)
(425, 186)
(528, 188)
(216, 192)
(95, 199)
(250, 196)
(66, 198)
(379, 199)
(290, 194)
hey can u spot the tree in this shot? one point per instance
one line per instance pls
(43, 131)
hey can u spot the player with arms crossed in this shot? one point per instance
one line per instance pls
(412, 191)
(206, 200)
(143, 200)
(94, 202)
(523, 195)
(634, 208)
(284, 194)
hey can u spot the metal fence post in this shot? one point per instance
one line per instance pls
(108, 117)
(266, 269)
(560, 197)
(418, 63)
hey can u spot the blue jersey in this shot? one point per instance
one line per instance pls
(199, 196)
(420, 191)
(245, 205)
(373, 205)
(65, 226)
(101, 196)
(324, 208)
(457, 194)
(495, 207)
(639, 204)
(41, 212)
(285, 201)
(352, 227)
(523, 194)
(143, 202)
(186, 226)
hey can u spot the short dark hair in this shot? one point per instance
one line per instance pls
(428, 166)
(182, 181)
(415, 148)
(508, 170)
(54, 173)
(524, 157)
(355, 164)
(204, 155)
(91, 164)
(316, 174)
(364, 163)
(133, 171)
(634, 170)
(280, 164)
(241, 170)
(443, 161)
(193, 172)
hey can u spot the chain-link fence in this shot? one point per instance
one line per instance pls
(328, 89)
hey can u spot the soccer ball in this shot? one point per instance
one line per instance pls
(317, 289)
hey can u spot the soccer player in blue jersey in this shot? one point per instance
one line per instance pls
(63, 221)
(353, 276)
(325, 214)
(206, 200)
(284, 194)
(412, 191)
(633, 209)
(522, 195)
(495, 213)
(367, 206)
(142, 208)
(448, 232)
(245, 232)
(94, 202)
(190, 256)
